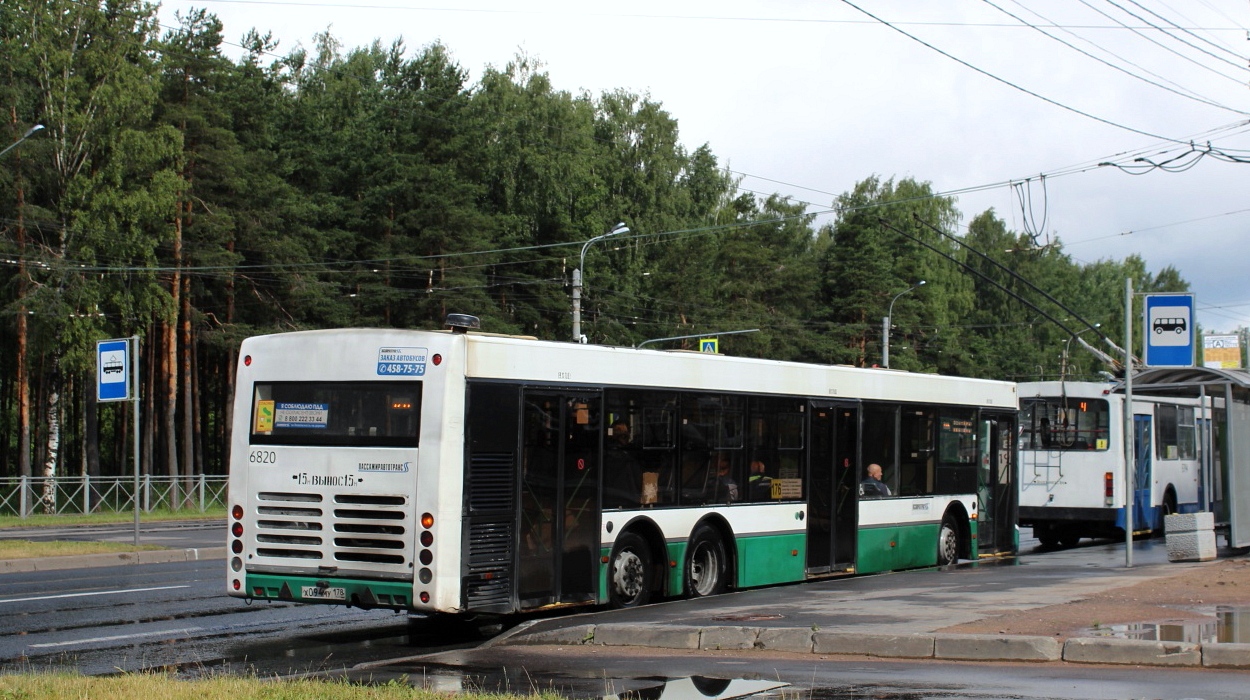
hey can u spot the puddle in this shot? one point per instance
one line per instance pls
(455, 679)
(1227, 625)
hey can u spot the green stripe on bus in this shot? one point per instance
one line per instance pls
(381, 594)
(893, 547)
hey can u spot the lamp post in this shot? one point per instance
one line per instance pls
(885, 326)
(577, 280)
(29, 132)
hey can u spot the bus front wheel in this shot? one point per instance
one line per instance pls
(630, 579)
(948, 542)
(706, 565)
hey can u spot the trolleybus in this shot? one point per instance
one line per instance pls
(463, 472)
(1072, 461)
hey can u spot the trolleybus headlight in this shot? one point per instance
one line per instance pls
(427, 520)
(237, 512)
(237, 529)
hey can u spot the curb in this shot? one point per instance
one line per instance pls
(84, 561)
(945, 647)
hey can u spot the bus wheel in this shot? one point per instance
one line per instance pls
(630, 581)
(948, 542)
(706, 565)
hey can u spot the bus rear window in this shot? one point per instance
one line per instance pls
(363, 414)
(1069, 423)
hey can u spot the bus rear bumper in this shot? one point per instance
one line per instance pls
(331, 591)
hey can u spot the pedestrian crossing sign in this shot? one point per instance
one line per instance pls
(711, 345)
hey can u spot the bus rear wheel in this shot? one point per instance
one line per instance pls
(706, 565)
(948, 542)
(630, 576)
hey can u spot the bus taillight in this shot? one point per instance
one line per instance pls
(1108, 487)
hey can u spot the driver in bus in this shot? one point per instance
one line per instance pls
(873, 486)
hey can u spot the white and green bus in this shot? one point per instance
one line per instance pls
(463, 472)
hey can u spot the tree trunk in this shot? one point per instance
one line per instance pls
(53, 448)
(23, 364)
(188, 398)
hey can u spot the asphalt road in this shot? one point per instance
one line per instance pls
(177, 617)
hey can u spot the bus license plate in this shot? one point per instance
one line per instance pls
(319, 593)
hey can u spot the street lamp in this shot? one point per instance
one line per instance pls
(29, 132)
(577, 281)
(885, 326)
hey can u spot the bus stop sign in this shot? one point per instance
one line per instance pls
(113, 370)
(1169, 330)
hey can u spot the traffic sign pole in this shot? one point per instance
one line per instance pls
(134, 396)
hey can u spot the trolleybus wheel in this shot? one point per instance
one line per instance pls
(630, 577)
(706, 565)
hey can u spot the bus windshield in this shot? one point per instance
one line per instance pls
(1070, 423)
(363, 414)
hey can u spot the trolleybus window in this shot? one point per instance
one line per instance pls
(366, 414)
(1064, 424)
(1175, 433)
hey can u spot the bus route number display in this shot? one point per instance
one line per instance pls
(406, 362)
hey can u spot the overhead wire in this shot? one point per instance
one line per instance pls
(1188, 94)
(1161, 45)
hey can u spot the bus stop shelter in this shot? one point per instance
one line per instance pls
(1224, 396)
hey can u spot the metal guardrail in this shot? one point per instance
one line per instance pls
(61, 495)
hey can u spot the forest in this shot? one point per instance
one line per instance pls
(193, 199)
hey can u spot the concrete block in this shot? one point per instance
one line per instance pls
(657, 636)
(1191, 546)
(571, 636)
(1226, 655)
(728, 637)
(1091, 650)
(908, 646)
(1188, 522)
(785, 639)
(992, 647)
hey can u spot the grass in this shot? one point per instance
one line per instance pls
(124, 687)
(25, 549)
(40, 520)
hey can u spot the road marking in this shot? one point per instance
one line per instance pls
(83, 595)
(114, 638)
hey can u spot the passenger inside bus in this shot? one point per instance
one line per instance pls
(872, 486)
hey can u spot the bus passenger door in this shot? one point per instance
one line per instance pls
(559, 513)
(832, 515)
(1143, 472)
(996, 485)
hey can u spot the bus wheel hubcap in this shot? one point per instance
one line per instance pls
(628, 574)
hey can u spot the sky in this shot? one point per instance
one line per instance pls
(1015, 105)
